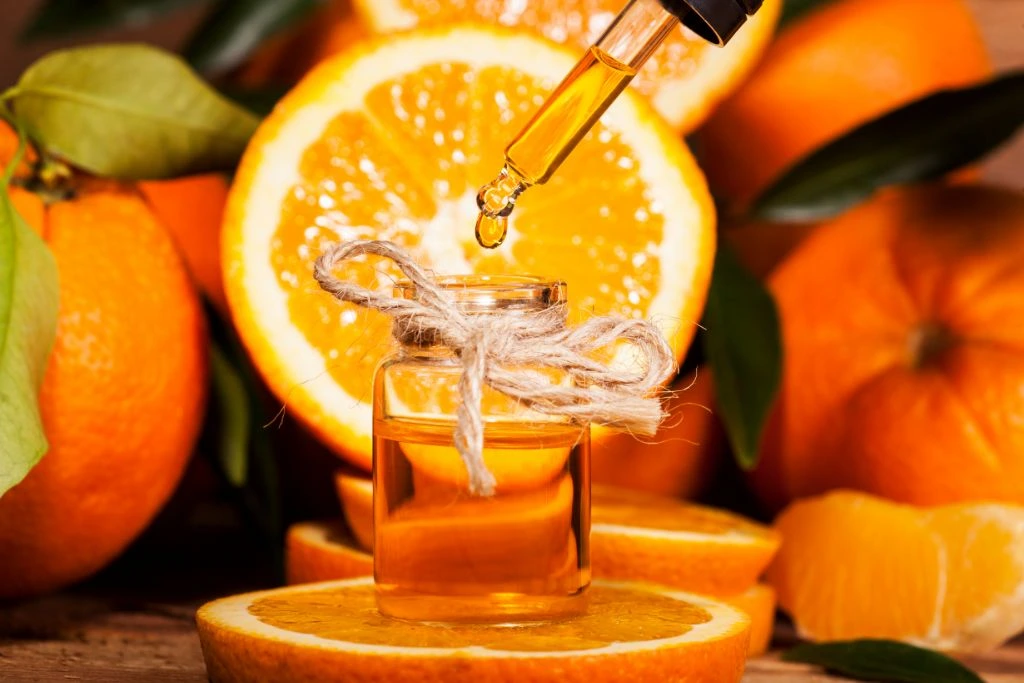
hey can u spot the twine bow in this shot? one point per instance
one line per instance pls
(505, 351)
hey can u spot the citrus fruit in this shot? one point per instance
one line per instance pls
(672, 543)
(192, 211)
(356, 496)
(948, 577)
(831, 70)
(392, 141)
(680, 460)
(684, 79)
(123, 394)
(904, 382)
(322, 551)
(333, 631)
(758, 603)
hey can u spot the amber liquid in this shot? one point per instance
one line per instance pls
(442, 554)
(555, 130)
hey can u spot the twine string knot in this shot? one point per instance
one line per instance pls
(508, 352)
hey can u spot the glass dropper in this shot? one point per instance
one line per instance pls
(589, 89)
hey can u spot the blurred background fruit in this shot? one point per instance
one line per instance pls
(949, 578)
(192, 210)
(829, 71)
(124, 392)
(834, 68)
(681, 459)
(904, 380)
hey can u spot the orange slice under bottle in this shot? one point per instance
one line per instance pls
(684, 80)
(391, 140)
(674, 543)
(333, 632)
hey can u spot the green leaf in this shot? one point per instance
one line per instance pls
(794, 9)
(129, 111)
(235, 419)
(923, 140)
(883, 660)
(60, 18)
(237, 27)
(743, 344)
(28, 325)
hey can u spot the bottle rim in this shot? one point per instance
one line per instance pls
(493, 293)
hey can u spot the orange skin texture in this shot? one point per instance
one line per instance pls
(308, 562)
(192, 210)
(680, 460)
(832, 70)
(904, 371)
(123, 395)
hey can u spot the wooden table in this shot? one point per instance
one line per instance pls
(134, 623)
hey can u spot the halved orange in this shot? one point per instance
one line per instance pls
(672, 543)
(333, 632)
(856, 566)
(684, 79)
(321, 551)
(391, 141)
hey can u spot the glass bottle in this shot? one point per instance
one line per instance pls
(442, 553)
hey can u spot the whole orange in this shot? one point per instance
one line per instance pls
(904, 356)
(830, 71)
(123, 395)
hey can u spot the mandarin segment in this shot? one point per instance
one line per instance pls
(856, 566)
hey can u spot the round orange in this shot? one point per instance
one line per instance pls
(904, 363)
(123, 394)
(837, 67)
(681, 459)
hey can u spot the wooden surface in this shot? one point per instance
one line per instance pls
(102, 640)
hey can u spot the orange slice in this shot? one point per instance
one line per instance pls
(676, 544)
(391, 141)
(684, 80)
(758, 603)
(321, 551)
(356, 496)
(333, 632)
(856, 566)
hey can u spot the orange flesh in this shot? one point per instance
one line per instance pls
(392, 171)
(350, 615)
(677, 58)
